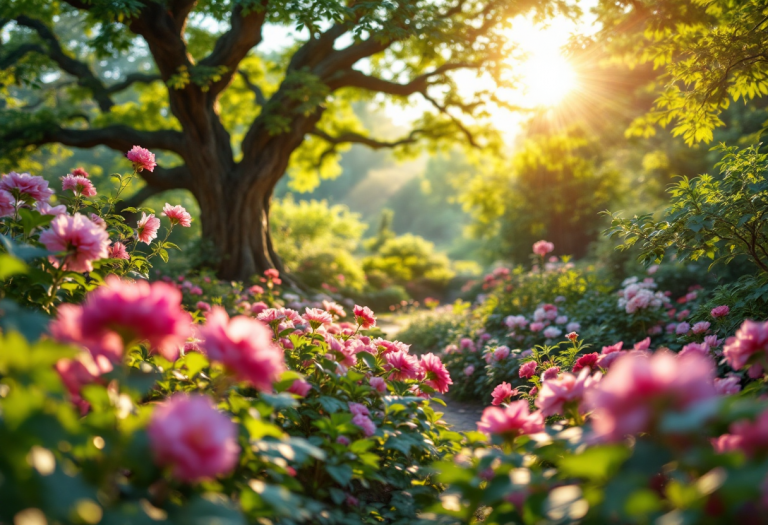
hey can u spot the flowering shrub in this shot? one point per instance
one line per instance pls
(190, 399)
(641, 437)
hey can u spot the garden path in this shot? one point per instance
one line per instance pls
(462, 416)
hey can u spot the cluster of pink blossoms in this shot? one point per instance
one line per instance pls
(748, 346)
(542, 248)
(79, 239)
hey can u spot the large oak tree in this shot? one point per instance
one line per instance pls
(232, 157)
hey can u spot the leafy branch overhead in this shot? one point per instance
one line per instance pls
(345, 51)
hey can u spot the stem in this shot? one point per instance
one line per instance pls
(52, 294)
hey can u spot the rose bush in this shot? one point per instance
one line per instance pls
(188, 399)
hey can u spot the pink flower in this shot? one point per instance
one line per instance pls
(98, 221)
(80, 371)
(682, 328)
(605, 361)
(501, 353)
(573, 327)
(550, 373)
(720, 311)
(405, 366)
(317, 317)
(177, 215)
(78, 184)
(712, 341)
(8, 205)
(536, 327)
(334, 309)
(359, 409)
(468, 371)
(695, 348)
(42, 207)
(640, 346)
(203, 306)
(528, 370)
(244, 346)
(503, 393)
(364, 317)
(26, 187)
(259, 307)
(68, 328)
(567, 389)
(700, 327)
(627, 400)
(467, 344)
(586, 361)
(343, 440)
(572, 336)
(81, 239)
(542, 248)
(147, 228)
(142, 159)
(117, 251)
(138, 312)
(747, 436)
(512, 421)
(552, 332)
(365, 424)
(378, 384)
(300, 387)
(728, 386)
(751, 339)
(435, 372)
(197, 441)
(80, 172)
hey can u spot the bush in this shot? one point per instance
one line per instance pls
(124, 406)
(316, 242)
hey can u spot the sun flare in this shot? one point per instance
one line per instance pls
(546, 79)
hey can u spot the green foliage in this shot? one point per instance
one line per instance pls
(708, 53)
(316, 241)
(717, 217)
(553, 189)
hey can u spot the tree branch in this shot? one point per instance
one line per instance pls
(18, 53)
(459, 124)
(78, 69)
(356, 138)
(357, 79)
(118, 137)
(260, 98)
(232, 47)
(131, 79)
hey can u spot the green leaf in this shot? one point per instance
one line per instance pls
(341, 473)
(10, 265)
(597, 463)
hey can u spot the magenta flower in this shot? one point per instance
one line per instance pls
(300, 387)
(142, 159)
(538, 326)
(43, 208)
(405, 366)
(501, 353)
(751, 339)
(542, 248)
(146, 230)
(550, 373)
(628, 399)
(358, 409)
(469, 370)
(177, 215)
(81, 240)
(378, 384)
(747, 436)
(68, 328)
(503, 393)
(80, 172)
(139, 311)
(203, 306)
(364, 317)
(78, 372)
(436, 375)
(26, 187)
(188, 434)
(528, 370)
(244, 346)
(720, 311)
(118, 251)
(586, 361)
(556, 394)
(79, 185)
(365, 424)
(728, 386)
(8, 204)
(513, 421)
